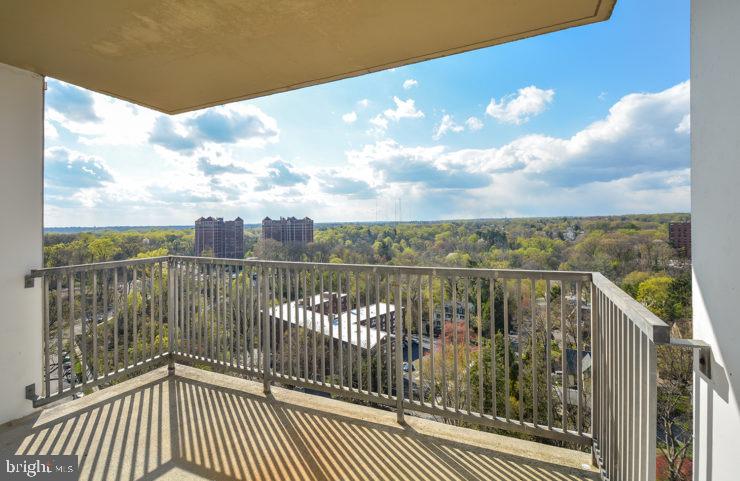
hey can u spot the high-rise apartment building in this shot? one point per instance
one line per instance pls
(288, 231)
(219, 238)
(679, 236)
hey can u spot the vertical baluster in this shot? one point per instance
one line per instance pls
(533, 335)
(548, 353)
(507, 371)
(519, 343)
(305, 374)
(314, 352)
(134, 313)
(468, 390)
(322, 337)
(378, 324)
(201, 323)
(234, 312)
(71, 347)
(367, 331)
(106, 319)
(291, 357)
(238, 315)
(579, 350)
(47, 337)
(455, 384)
(249, 343)
(280, 324)
(389, 329)
(152, 321)
(60, 335)
(220, 313)
(442, 282)
(358, 311)
(120, 305)
(399, 352)
(621, 393)
(258, 320)
(421, 344)
(350, 372)
(432, 380)
(266, 361)
(94, 324)
(273, 324)
(331, 327)
(494, 387)
(244, 300)
(83, 326)
(161, 313)
(226, 319)
(479, 336)
(408, 322)
(340, 316)
(563, 355)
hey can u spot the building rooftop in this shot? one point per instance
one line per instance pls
(293, 312)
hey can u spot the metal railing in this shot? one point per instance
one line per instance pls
(625, 334)
(560, 355)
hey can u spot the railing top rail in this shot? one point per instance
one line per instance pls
(95, 266)
(649, 323)
(409, 270)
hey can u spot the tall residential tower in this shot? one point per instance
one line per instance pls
(221, 239)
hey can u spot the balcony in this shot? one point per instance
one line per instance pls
(565, 358)
(204, 425)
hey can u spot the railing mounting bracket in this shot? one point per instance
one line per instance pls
(703, 352)
(31, 393)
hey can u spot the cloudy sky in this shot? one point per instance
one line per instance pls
(592, 120)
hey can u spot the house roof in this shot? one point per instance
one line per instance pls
(294, 313)
(176, 56)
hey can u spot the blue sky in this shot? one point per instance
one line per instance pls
(588, 121)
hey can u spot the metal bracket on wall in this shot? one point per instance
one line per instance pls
(703, 350)
(31, 393)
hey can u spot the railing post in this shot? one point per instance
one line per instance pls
(595, 363)
(399, 351)
(171, 313)
(266, 378)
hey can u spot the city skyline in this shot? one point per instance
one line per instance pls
(580, 122)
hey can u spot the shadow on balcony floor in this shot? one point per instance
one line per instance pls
(202, 425)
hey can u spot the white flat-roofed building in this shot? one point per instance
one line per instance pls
(342, 328)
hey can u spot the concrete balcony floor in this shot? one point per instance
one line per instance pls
(202, 425)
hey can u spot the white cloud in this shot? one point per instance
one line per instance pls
(684, 127)
(405, 109)
(50, 132)
(409, 83)
(447, 124)
(103, 121)
(633, 160)
(474, 123)
(363, 103)
(235, 124)
(379, 122)
(520, 107)
(349, 117)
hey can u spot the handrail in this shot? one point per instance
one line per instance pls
(415, 270)
(90, 267)
(657, 330)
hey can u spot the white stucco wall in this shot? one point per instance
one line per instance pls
(715, 208)
(21, 212)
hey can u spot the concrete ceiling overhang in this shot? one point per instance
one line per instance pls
(181, 55)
